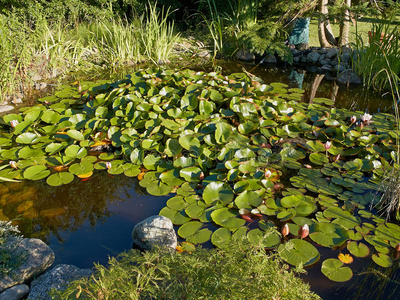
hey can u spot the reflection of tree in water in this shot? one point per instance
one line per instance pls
(68, 207)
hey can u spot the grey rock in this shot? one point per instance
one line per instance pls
(6, 108)
(325, 62)
(302, 46)
(40, 85)
(332, 52)
(346, 49)
(57, 278)
(155, 231)
(270, 59)
(323, 50)
(204, 54)
(348, 77)
(339, 68)
(322, 57)
(296, 59)
(245, 55)
(15, 293)
(16, 101)
(345, 57)
(326, 68)
(303, 59)
(313, 57)
(37, 257)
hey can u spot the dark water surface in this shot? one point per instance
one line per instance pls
(87, 221)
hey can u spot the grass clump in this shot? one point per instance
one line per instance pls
(10, 238)
(242, 271)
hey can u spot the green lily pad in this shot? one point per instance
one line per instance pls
(61, 178)
(382, 260)
(302, 253)
(335, 271)
(358, 249)
(329, 235)
(36, 172)
(218, 191)
(227, 217)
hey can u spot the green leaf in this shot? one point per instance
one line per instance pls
(302, 253)
(61, 178)
(75, 134)
(218, 191)
(36, 172)
(335, 271)
(27, 138)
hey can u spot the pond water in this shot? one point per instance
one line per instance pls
(88, 220)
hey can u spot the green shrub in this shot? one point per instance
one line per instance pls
(242, 271)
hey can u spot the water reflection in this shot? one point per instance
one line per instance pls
(354, 98)
(84, 221)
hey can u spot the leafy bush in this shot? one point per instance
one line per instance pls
(239, 272)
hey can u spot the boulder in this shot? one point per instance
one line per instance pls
(245, 55)
(57, 278)
(326, 68)
(348, 77)
(36, 257)
(155, 231)
(15, 293)
(313, 57)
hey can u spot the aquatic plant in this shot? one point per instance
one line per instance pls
(232, 150)
(242, 270)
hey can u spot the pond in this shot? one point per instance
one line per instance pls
(92, 215)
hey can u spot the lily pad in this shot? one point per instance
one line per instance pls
(335, 271)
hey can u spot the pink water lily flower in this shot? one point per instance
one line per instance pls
(108, 165)
(14, 123)
(366, 118)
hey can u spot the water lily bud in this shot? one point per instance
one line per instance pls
(397, 247)
(14, 123)
(307, 166)
(285, 230)
(328, 145)
(353, 119)
(13, 164)
(256, 212)
(268, 174)
(108, 165)
(201, 176)
(79, 88)
(361, 125)
(316, 134)
(304, 231)
(244, 211)
(337, 157)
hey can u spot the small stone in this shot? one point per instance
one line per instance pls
(57, 278)
(348, 77)
(313, 57)
(16, 101)
(155, 231)
(245, 55)
(6, 108)
(332, 52)
(325, 62)
(204, 54)
(326, 68)
(40, 85)
(296, 59)
(322, 57)
(303, 59)
(270, 59)
(15, 293)
(339, 68)
(345, 57)
(302, 46)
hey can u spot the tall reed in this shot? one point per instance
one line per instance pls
(157, 34)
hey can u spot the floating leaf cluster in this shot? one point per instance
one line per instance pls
(236, 153)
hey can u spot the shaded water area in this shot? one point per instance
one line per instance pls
(88, 220)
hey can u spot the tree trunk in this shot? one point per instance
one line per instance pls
(345, 26)
(324, 30)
